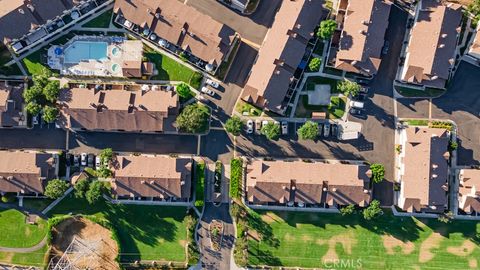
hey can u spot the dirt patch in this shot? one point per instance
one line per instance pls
(465, 249)
(391, 243)
(472, 263)
(91, 239)
(432, 242)
(346, 240)
(306, 238)
(271, 218)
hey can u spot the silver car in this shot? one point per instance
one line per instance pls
(326, 129)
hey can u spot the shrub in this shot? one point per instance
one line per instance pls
(196, 80)
(308, 131)
(95, 191)
(326, 29)
(194, 118)
(271, 131)
(81, 188)
(314, 64)
(183, 91)
(234, 125)
(347, 210)
(349, 88)
(236, 175)
(8, 198)
(452, 146)
(56, 188)
(378, 172)
(372, 211)
(106, 155)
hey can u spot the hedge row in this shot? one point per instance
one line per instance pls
(236, 172)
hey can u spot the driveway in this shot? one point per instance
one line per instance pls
(461, 103)
(211, 259)
(253, 27)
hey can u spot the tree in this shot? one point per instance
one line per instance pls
(95, 191)
(56, 188)
(106, 155)
(51, 91)
(81, 187)
(378, 172)
(314, 64)
(326, 29)
(33, 93)
(33, 108)
(474, 9)
(271, 130)
(193, 118)
(234, 125)
(104, 172)
(308, 131)
(349, 88)
(372, 211)
(183, 90)
(50, 114)
(347, 210)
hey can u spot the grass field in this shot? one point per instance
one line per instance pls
(102, 21)
(36, 258)
(168, 69)
(412, 92)
(318, 240)
(16, 233)
(145, 232)
(36, 204)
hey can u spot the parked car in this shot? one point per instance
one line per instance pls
(258, 127)
(364, 90)
(68, 159)
(357, 104)
(284, 127)
(153, 37)
(208, 91)
(90, 160)
(326, 129)
(334, 130)
(76, 161)
(98, 162)
(212, 83)
(250, 126)
(385, 48)
(83, 159)
(363, 81)
(320, 129)
(360, 97)
(35, 119)
(357, 113)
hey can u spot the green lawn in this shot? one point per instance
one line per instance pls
(36, 258)
(15, 232)
(33, 62)
(145, 232)
(316, 240)
(244, 107)
(102, 21)
(168, 69)
(412, 92)
(36, 204)
(312, 81)
(417, 122)
(335, 110)
(200, 185)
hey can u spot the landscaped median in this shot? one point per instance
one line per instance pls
(317, 240)
(428, 92)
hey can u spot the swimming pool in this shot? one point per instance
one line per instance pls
(85, 50)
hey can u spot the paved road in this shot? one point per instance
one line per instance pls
(253, 28)
(42, 139)
(129, 142)
(217, 145)
(211, 259)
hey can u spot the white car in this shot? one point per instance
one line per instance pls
(264, 123)
(98, 162)
(357, 104)
(284, 127)
(208, 91)
(250, 126)
(212, 83)
(83, 159)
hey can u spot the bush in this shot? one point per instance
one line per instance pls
(56, 188)
(106, 155)
(314, 64)
(271, 131)
(347, 210)
(194, 118)
(308, 131)
(81, 188)
(236, 176)
(104, 172)
(326, 29)
(95, 192)
(372, 211)
(8, 198)
(183, 91)
(349, 88)
(378, 172)
(196, 80)
(234, 125)
(452, 146)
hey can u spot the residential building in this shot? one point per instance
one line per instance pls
(469, 191)
(423, 171)
(362, 37)
(179, 28)
(152, 178)
(11, 105)
(432, 45)
(135, 110)
(25, 23)
(26, 173)
(315, 184)
(474, 49)
(276, 72)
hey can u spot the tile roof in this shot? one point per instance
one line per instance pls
(469, 190)
(11, 101)
(424, 182)
(475, 46)
(281, 53)
(16, 19)
(146, 111)
(298, 181)
(363, 36)
(431, 50)
(25, 172)
(181, 25)
(152, 176)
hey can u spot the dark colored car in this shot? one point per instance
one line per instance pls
(357, 113)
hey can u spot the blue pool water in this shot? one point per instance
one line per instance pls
(85, 50)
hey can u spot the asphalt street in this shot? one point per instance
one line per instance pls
(37, 138)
